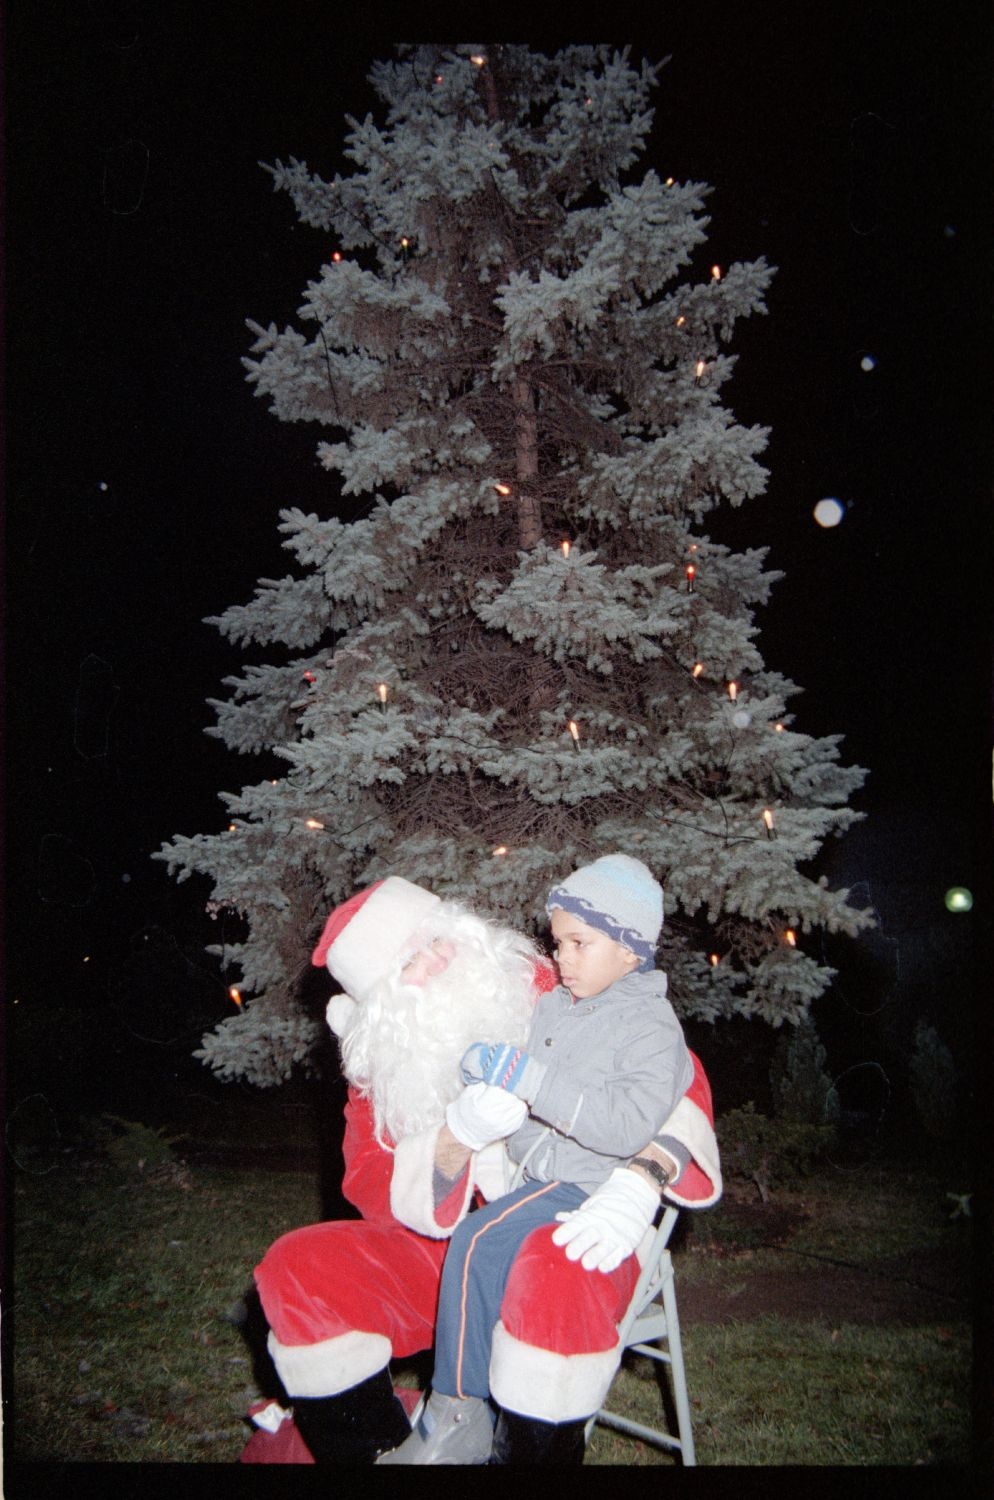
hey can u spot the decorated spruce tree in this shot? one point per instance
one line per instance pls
(508, 644)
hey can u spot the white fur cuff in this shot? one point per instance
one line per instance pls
(553, 1387)
(330, 1366)
(412, 1199)
(690, 1125)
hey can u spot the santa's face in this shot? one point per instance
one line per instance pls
(428, 962)
(459, 982)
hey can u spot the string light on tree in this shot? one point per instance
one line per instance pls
(779, 728)
(478, 60)
(790, 938)
(336, 256)
(733, 691)
(697, 670)
(575, 732)
(715, 273)
(714, 959)
(382, 692)
(501, 849)
(691, 573)
(565, 546)
(700, 372)
(503, 489)
(771, 831)
(313, 823)
(235, 995)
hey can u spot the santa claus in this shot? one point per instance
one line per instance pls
(424, 981)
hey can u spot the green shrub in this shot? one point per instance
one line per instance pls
(802, 1091)
(131, 1146)
(933, 1083)
(765, 1152)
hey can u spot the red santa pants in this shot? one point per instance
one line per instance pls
(341, 1298)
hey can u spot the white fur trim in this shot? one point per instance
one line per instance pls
(412, 1200)
(339, 1013)
(492, 1171)
(690, 1125)
(330, 1366)
(553, 1387)
(372, 941)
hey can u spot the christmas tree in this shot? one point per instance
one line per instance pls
(510, 645)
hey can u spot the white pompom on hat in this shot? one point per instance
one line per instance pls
(364, 938)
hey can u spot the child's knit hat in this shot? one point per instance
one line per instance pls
(619, 896)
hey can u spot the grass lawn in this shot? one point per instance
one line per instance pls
(126, 1349)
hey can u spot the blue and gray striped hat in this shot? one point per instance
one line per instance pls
(619, 896)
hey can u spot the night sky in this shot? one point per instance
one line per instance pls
(144, 478)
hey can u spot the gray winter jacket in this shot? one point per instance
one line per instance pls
(616, 1066)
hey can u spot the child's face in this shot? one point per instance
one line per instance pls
(588, 959)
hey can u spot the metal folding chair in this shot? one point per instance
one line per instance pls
(646, 1321)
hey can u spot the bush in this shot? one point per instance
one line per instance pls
(765, 1151)
(803, 1093)
(933, 1083)
(133, 1147)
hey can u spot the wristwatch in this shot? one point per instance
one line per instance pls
(653, 1167)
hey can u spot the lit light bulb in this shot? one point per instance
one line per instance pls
(382, 691)
(714, 959)
(790, 938)
(313, 823)
(715, 273)
(691, 572)
(502, 489)
(575, 732)
(501, 849)
(670, 181)
(698, 669)
(565, 544)
(336, 256)
(958, 898)
(733, 691)
(681, 321)
(779, 728)
(232, 827)
(478, 60)
(699, 369)
(771, 832)
(235, 994)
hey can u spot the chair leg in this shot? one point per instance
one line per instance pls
(679, 1374)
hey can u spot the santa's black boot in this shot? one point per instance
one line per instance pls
(354, 1426)
(529, 1441)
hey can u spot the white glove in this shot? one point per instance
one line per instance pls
(606, 1229)
(483, 1113)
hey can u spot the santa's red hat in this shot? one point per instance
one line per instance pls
(366, 936)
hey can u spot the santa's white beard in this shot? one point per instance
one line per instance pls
(403, 1046)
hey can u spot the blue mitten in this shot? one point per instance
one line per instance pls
(504, 1066)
